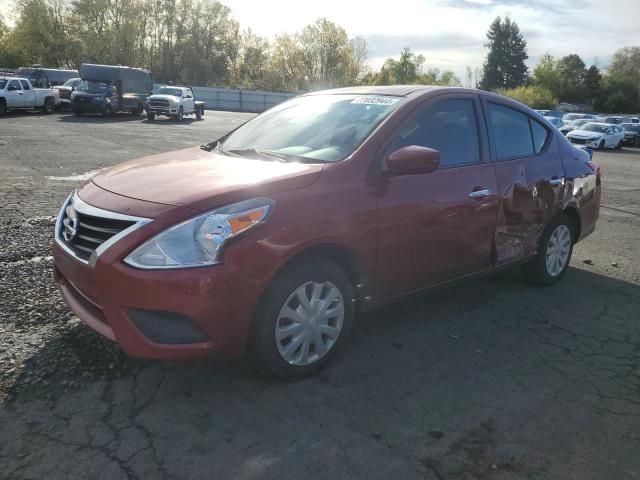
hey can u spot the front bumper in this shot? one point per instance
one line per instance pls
(163, 110)
(587, 143)
(210, 308)
(87, 107)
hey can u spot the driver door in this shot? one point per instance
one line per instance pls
(438, 226)
(189, 102)
(15, 95)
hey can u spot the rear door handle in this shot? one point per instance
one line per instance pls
(480, 193)
(556, 181)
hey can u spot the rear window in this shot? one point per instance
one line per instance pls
(511, 131)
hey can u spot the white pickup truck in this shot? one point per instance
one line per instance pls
(18, 93)
(174, 102)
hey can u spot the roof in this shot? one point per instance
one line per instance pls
(395, 90)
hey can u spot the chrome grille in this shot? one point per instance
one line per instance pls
(83, 230)
(159, 102)
(578, 141)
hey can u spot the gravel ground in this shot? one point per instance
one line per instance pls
(493, 379)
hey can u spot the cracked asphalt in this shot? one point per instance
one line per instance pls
(492, 379)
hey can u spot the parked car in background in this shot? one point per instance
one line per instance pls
(631, 134)
(174, 102)
(272, 237)
(568, 117)
(555, 121)
(18, 94)
(109, 89)
(572, 125)
(616, 119)
(66, 89)
(597, 135)
(635, 120)
(550, 113)
(45, 77)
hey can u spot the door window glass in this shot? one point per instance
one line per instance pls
(13, 85)
(448, 126)
(25, 85)
(511, 131)
(539, 134)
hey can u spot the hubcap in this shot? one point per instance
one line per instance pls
(558, 250)
(309, 323)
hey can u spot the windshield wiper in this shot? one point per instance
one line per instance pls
(257, 151)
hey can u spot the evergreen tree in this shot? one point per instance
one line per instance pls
(572, 73)
(592, 84)
(504, 67)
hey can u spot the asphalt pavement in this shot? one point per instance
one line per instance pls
(493, 379)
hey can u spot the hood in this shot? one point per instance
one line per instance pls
(202, 180)
(584, 134)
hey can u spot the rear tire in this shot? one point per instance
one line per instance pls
(601, 145)
(198, 113)
(106, 111)
(619, 146)
(49, 105)
(554, 253)
(3, 106)
(323, 334)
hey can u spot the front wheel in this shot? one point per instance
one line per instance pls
(151, 116)
(303, 319)
(3, 106)
(554, 253)
(106, 111)
(180, 115)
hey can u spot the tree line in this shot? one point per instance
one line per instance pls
(554, 80)
(198, 42)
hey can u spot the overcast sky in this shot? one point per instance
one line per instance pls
(451, 33)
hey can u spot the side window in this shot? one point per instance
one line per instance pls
(539, 134)
(511, 131)
(448, 126)
(13, 85)
(25, 85)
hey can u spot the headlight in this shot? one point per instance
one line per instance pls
(199, 241)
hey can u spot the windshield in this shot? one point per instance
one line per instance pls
(176, 92)
(614, 120)
(592, 127)
(90, 86)
(316, 127)
(3, 83)
(630, 127)
(70, 82)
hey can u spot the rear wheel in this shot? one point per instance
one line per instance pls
(303, 319)
(601, 145)
(619, 145)
(106, 111)
(554, 253)
(3, 106)
(49, 105)
(198, 113)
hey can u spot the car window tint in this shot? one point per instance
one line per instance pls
(540, 135)
(449, 127)
(14, 84)
(511, 131)
(25, 85)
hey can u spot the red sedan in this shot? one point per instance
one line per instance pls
(274, 236)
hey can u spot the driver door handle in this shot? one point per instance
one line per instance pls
(480, 193)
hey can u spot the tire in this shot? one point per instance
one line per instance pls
(198, 113)
(619, 146)
(49, 105)
(324, 278)
(179, 116)
(3, 106)
(539, 270)
(601, 145)
(106, 111)
(151, 116)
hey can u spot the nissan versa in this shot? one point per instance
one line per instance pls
(271, 238)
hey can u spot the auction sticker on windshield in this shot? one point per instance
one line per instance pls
(376, 100)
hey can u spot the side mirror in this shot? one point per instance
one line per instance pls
(413, 160)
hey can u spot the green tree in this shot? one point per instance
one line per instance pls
(626, 64)
(547, 75)
(572, 73)
(592, 84)
(504, 66)
(534, 96)
(619, 95)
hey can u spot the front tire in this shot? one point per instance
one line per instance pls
(106, 111)
(151, 116)
(303, 319)
(554, 253)
(3, 106)
(180, 115)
